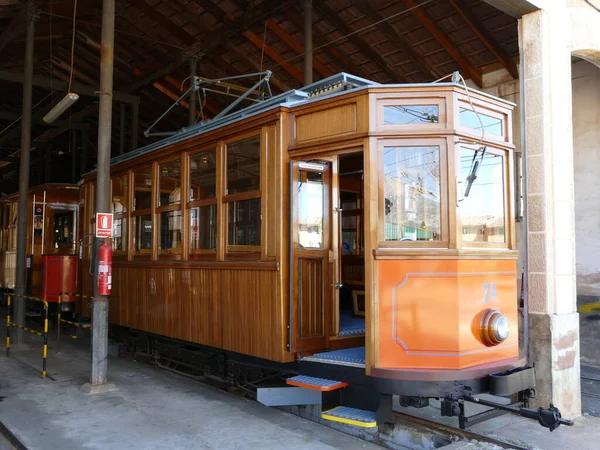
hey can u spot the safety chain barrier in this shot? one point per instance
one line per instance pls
(61, 320)
(43, 333)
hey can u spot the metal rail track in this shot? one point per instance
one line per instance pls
(451, 432)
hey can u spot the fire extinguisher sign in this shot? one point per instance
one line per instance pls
(104, 225)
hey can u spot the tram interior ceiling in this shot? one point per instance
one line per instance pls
(259, 155)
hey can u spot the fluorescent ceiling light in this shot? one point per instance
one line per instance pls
(61, 107)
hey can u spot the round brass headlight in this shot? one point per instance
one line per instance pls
(494, 327)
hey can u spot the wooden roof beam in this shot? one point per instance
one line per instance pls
(263, 11)
(332, 16)
(15, 28)
(172, 95)
(470, 70)
(486, 37)
(163, 21)
(394, 36)
(297, 47)
(271, 53)
(177, 83)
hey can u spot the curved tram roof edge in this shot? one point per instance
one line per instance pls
(287, 99)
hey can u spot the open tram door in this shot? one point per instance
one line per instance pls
(312, 259)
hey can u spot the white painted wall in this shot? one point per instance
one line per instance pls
(586, 148)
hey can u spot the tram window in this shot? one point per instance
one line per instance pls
(482, 211)
(203, 225)
(120, 192)
(412, 200)
(410, 114)
(119, 234)
(169, 181)
(203, 175)
(63, 229)
(244, 222)
(143, 188)
(491, 125)
(170, 231)
(243, 165)
(310, 209)
(142, 226)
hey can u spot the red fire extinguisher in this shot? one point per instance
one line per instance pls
(105, 269)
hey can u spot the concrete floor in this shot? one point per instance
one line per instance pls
(153, 409)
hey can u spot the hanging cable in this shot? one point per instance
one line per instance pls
(72, 45)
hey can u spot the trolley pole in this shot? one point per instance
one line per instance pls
(24, 173)
(98, 382)
(192, 99)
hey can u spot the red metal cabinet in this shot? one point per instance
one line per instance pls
(59, 274)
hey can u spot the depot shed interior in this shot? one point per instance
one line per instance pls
(159, 44)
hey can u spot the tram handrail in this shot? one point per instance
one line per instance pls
(60, 320)
(43, 334)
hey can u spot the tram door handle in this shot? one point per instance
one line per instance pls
(338, 285)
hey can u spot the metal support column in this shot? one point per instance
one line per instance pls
(100, 303)
(122, 129)
(308, 43)
(192, 110)
(134, 126)
(24, 172)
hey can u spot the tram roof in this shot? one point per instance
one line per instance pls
(339, 84)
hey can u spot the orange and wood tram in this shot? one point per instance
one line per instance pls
(356, 238)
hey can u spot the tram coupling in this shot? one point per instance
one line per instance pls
(547, 417)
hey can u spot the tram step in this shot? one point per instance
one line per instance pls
(316, 384)
(351, 416)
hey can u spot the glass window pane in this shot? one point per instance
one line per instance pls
(410, 114)
(170, 230)
(243, 165)
(203, 175)
(169, 183)
(310, 209)
(63, 229)
(120, 234)
(244, 222)
(491, 125)
(203, 225)
(142, 180)
(412, 201)
(482, 211)
(142, 238)
(120, 193)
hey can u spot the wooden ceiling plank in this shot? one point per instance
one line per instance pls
(297, 47)
(332, 16)
(258, 14)
(470, 70)
(163, 21)
(15, 28)
(394, 36)
(486, 37)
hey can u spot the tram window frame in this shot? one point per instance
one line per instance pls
(142, 253)
(245, 196)
(507, 161)
(170, 209)
(124, 199)
(193, 203)
(439, 101)
(473, 106)
(446, 173)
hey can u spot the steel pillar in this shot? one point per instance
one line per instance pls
(192, 110)
(24, 172)
(100, 303)
(308, 43)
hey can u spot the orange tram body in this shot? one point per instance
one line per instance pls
(350, 232)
